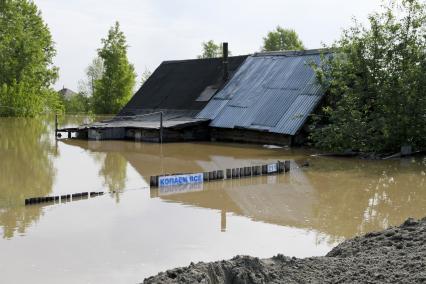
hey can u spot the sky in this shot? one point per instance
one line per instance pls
(159, 30)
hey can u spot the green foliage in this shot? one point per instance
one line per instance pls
(114, 89)
(26, 54)
(282, 39)
(145, 76)
(212, 50)
(79, 103)
(94, 73)
(376, 83)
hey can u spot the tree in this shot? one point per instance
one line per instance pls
(79, 103)
(211, 50)
(145, 76)
(93, 73)
(26, 56)
(376, 83)
(114, 89)
(282, 39)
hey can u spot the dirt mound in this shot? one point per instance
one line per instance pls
(397, 254)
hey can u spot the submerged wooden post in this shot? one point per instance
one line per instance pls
(56, 126)
(264, 169)
(249, 171)
(206, 176)
(220, 174)
(280, 166)
(153, 181)
(253, 171)
(161, 127)
(287, 166)
(228, 173)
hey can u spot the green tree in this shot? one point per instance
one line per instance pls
(114, 89)
(79, 103)
(26, 54)
(282, 39)
(376, 83)
(212, 50)
(93, 73)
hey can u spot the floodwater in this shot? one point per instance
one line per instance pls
(133, 231)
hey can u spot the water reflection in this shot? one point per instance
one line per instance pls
(113, 170)
(26, 169)
(150, 230)
(340, 198)
(113, 166)
(361, 196)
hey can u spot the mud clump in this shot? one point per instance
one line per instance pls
(395, 255)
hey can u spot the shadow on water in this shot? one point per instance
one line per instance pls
(340, 198)
(26, 169)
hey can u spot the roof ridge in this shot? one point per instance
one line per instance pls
(293, 52)
(197, 59)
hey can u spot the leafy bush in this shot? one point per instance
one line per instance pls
(376, 83)
(26, 55)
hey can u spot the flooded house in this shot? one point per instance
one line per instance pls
(259, 98)
(269, 100)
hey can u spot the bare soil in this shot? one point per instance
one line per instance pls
(395, 255)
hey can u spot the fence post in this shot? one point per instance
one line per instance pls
(286, 166)
(161, 127)
(56, 126)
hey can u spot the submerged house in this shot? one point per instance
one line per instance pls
(269, 99)
(169, 101)
(260, 98)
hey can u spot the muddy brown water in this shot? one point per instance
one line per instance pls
(133, 231)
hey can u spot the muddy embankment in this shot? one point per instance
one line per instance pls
(396, 255)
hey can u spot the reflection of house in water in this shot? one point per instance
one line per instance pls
(335, 197)
(283, 199)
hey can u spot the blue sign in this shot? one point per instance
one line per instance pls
(180, 179)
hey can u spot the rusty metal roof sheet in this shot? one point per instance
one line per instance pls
(273, 92)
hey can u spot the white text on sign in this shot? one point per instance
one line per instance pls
(180, 179)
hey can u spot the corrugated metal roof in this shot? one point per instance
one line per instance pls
(275, 92)
(151, 120)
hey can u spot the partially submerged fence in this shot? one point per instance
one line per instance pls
(180, 179)
(234, 173)
(61, 198)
